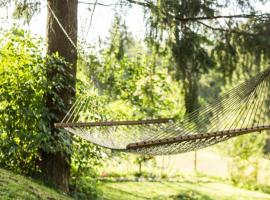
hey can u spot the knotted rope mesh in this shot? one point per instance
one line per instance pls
(243, 109)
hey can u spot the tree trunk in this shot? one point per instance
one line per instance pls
(140, 168)
(56, 166)
(191, 102)
(195, 161)
(191, 92)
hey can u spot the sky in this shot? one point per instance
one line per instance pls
(102, 20)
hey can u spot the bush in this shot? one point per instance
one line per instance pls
(83, 188)
(191, 195)
(24, 117)
(164, 176)
(22, 86)
(145, 175)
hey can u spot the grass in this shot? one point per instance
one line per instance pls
(176, 190)
(14, 186)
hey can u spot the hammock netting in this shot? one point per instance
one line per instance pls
(241, 110)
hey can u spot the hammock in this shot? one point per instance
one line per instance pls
(243, 109)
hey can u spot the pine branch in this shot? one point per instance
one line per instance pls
(247, 16)
(150, 5)
(233, 31)
(227, 30)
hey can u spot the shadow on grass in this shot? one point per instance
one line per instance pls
(126, 193)
(173, 192)
(186, 193)
(191, 195)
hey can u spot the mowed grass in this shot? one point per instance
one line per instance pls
(178, 190)
(14, 186)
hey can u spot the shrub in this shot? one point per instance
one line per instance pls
(83, 188)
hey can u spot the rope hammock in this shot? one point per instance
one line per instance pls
(243, 109)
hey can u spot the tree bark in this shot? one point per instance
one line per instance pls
(56, 166)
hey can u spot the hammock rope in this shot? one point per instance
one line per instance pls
(243, 109)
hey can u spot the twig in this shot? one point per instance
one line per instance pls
(98, 4)
(91, 18)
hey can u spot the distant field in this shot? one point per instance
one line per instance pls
(189, 187)
(202, 190)
(208, 162)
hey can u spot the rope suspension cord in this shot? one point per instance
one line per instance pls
(61, 26)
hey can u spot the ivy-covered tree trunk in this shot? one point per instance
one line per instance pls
(55, 165)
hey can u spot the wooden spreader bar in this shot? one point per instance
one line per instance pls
(113, 123)
(230, 133)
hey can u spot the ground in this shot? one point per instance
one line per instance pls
(14, 186)
(176, 190)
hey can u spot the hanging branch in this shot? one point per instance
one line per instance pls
(91, 19)
(233, 31)
(151, 6)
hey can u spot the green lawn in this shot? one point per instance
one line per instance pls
(14, 186)
(17, 187)
(204, 190)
